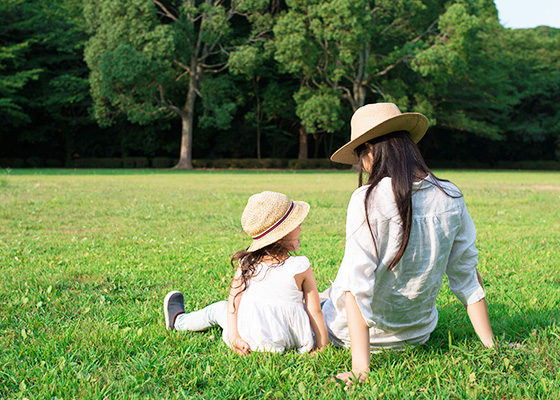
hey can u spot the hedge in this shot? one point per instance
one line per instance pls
(254, 163)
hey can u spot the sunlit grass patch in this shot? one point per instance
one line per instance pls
(87, 258)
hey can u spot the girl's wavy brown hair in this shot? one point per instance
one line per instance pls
(248, 261)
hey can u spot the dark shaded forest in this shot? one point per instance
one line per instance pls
(140, 83)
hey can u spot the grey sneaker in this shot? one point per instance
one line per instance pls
(173, 305)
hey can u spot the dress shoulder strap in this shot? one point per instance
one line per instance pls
(298, 264)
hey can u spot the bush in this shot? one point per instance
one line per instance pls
(53, 163)
(162, 162)
(267, 163)
(83, 163)
(263, 163)
(316, 163)
(532, 165)
(135, 162)
(34, 162)
(457, 164)
(232, 163)
(97, 163)
(12, 163)
(274, 162)
(222, 163)
(201, 163)
(465, 164)
(241, 163)
(142, 162)
(128, 162)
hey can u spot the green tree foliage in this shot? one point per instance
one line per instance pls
(535, 53)
(62, 90)
(468, 86)
(150, 59)
(267, 72)
(129, 54)
(345, 52)
(269, 92)
(44, 78)
(15, 71)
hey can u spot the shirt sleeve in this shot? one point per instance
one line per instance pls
(357, 270)
(463, 259)
(300, 265)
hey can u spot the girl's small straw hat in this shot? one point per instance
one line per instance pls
(269, 216)
(374, 120)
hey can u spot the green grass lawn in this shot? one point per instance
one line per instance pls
(88, 256)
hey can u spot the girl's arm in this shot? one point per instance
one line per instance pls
(237, 343)
(359, 342)
(478, 314)
(306, 281)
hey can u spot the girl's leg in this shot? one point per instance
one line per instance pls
(214, 314)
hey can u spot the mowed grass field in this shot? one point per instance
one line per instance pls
(88, 256)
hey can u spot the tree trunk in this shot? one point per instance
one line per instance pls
(258, 138)
(123, 147)
(185, 157)
(360, 82)
(328, 144)
(187, 118)
(69, 147)
(302, 154)
(318, 138)
(258, 115)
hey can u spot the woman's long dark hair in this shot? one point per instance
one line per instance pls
(396, 156)
(248, 261)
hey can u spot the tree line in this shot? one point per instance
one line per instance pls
(269, 78)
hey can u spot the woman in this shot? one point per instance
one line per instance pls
(405, 229)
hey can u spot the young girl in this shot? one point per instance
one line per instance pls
(273, 303)
(405, 230)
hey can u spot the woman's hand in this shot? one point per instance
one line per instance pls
(351, 377)
(240, 346)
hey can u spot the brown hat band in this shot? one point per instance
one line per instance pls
(276, 224)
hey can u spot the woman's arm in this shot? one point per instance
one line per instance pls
(465, 281)
(237, 344)
(313, 307)
(478, 314)
(359, 342)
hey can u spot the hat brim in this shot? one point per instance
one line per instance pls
(414, 123)
(296, 217)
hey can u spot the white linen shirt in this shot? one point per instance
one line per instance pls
(399, 306)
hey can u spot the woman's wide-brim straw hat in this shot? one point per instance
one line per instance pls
(269, 216)
(375, 120)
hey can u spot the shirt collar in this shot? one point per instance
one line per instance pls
(426, 182)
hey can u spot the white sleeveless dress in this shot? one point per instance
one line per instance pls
(271, 314)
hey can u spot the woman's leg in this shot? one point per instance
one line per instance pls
(214, 314)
